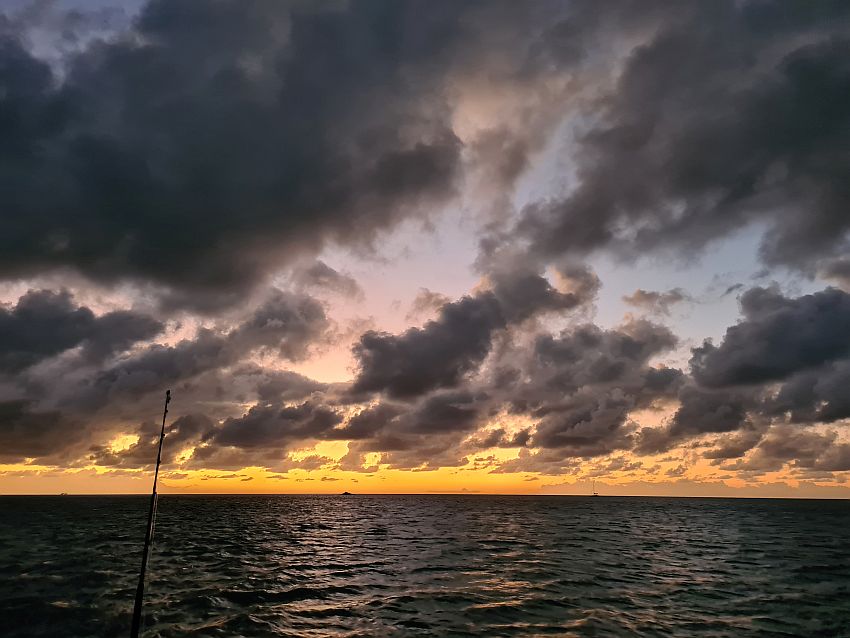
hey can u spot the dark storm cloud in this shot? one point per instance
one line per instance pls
(61, 402)
(454, 344)
(444, 412)
(786, 361)
(217, 137)
(578, 390)
(214, 141)
(733, 288)
(777, 337)
(275, 426)
(700, 412)
(588, 355)
(583, 384)
(814, 396)
(27, 432)
(280, 385)
(435, 356)
(589, 424)
(426, 434)
(159, 366)
(285, 324)
(734, 446)
(802, 450)
(261, 436)
(439, 413)
(370, 420)
(45, 323)
(523, 295)
(707, 411)
(732, 112)
(656, 302)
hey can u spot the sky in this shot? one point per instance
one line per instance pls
(426, 247)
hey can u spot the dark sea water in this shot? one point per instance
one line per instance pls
(427, 566)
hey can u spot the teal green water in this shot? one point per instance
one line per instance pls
(427, 566)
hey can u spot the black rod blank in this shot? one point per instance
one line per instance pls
(140, 590)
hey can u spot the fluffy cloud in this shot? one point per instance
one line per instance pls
(583, 384)
(777, 338)
(45, 323)
(66, 400)
(439, 354)
(786, 361)
(273, 426)
(435, 356)
(730, 113)
(210, 143)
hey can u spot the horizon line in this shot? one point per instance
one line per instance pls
(678, 496)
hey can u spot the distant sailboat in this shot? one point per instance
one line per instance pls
(593, 490)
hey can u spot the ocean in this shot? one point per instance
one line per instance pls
(435, 565)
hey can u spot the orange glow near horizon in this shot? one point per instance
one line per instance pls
(683, 472)
(656, 476)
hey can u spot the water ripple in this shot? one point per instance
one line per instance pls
(427, 565)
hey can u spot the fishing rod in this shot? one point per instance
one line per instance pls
(140, 590)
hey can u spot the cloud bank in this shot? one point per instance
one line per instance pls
(176, 184)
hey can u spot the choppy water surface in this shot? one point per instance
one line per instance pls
(427, 565)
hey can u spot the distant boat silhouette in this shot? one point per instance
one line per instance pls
(346, 494)
(593, 490)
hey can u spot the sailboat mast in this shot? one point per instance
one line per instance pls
(140, 589)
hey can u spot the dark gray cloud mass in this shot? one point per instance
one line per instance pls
(214, 141)
(583, 384)
(54, 408)
(26, 432)
(435, 356)
(777, 337)
(576, 389)
(45, 323)
(285, 324)
(786, 361)
(701, 412)
(425, 434)
(733, 112)
(799, 346)
(440, 353)
(806, 452)
(274, 426)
